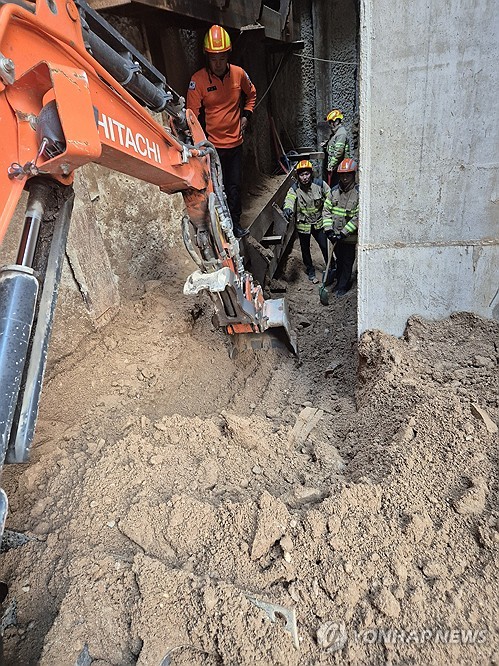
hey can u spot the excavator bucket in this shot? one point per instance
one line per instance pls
(264, 325)
(275, 311)
(278, 335)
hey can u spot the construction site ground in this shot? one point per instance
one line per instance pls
(172, 486)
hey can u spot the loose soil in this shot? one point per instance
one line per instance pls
(172, 485)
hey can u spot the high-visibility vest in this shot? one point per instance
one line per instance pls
(307, 204)
(338, 148)
(341, 212)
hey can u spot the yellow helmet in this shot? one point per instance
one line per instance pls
(217, 40)
(304, 164)
(335, 114)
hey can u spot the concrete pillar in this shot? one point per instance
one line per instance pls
(428, 240)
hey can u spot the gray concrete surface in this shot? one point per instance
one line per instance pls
(335, 47)
(428, 241)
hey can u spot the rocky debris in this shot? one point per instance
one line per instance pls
(473, 500)
(418, 526)
(243, 432)
(387, 603)
(13, 539)
(272, 520)
(159, 509)
(303, 495)
(484, 362)
(332, 368)
(481, 414)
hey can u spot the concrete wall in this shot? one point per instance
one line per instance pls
(293, 91)
(429, 172)
(335, 47)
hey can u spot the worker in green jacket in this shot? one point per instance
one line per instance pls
(341, 221)
(305, 200)
(337, 147)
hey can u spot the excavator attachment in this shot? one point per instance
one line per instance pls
(278, 335)
(239, 303)
(269, 326)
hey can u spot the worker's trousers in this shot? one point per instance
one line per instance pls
(231, 160)
(321, 239)
(345, 256)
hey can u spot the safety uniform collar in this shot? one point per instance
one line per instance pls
(220, 78)
(346, 191)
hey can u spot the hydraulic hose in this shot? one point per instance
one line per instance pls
(188, 243)
(205, 147)
(215, 172)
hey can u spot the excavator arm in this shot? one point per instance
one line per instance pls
(73, 91)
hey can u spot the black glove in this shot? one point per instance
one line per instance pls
(333, 237)
(288, 214)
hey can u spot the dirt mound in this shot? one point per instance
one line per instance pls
(173, 489)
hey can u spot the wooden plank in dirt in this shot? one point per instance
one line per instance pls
(307, 419)
(88, 257)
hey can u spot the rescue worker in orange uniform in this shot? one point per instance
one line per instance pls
(337, 147)
(223, 97)
(340, 222)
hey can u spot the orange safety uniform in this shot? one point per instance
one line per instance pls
(221, 100)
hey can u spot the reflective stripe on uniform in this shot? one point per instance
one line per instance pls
(338, 148)
(342, 218)
(305, 227)
(307, 205)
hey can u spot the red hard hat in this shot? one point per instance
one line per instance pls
(348, 166)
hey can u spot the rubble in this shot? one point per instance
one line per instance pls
(387, 519)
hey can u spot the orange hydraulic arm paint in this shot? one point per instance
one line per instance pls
(45, 56)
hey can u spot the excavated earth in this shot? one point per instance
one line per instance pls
(171, 486)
